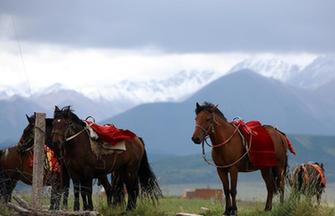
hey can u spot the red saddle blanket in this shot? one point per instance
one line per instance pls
(262, 151)
(51, 162)
(110, 133)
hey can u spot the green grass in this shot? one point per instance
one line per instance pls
(171, 205)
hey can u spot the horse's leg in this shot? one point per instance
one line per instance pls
(9, 187)
(318, 197)
(108, 189)
(86, 194)
(83, 193)
(66, 187)
(281, 183)
(117, 193)
(53, 198)
(89, 194)
(76, 188)
(225, 181)
(133, 190)
(233, 191)
(268, 178)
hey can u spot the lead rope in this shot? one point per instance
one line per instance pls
(235, 162)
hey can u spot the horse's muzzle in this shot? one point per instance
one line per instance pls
(196, 140)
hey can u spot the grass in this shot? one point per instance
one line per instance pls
(171, 205)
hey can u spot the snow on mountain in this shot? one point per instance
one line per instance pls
(273, 68)
(6, 92)
(316, 74)
(175, 88)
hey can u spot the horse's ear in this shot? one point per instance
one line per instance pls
(28, 118)
(197, 105)
(57, 109)
(321, 165)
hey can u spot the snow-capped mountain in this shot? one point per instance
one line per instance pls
(316, 74)
(175, 88)
(273, 68)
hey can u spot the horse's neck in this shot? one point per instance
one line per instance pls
(82, 139)
(10, 154)
(222, 131)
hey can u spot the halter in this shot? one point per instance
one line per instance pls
(212, 128)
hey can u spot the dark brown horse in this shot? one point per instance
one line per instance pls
(232, 158)
(16, 165)
(132, 167)
(309, 179)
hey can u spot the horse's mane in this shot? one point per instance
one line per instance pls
(67, 112)
(209, 107)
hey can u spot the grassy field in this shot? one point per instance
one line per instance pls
(171, 205)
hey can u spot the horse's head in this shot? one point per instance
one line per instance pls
(27, 137)
(205, 121)
(65, 124)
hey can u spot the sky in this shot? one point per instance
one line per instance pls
(81, 41)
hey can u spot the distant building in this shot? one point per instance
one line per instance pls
(203, 193)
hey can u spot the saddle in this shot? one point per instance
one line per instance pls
(107, 139)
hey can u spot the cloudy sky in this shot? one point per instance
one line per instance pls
(107, 40)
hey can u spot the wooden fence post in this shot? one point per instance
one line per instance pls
(38, 162)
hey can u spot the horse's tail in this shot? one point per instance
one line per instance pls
(148, 181)
(286, 141)
(277, 175)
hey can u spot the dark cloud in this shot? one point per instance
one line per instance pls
(179, 25)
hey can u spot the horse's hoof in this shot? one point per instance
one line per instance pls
(226, 213)
(233, 212)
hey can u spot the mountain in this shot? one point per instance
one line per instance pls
(167, 127)
(269, 67)
(13, 120)
(14, 108)
(119, 97)
(84, 106)
(316, 74)
(251, 96)
(173, 88)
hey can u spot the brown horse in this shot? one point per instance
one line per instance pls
(16, 165)
(132, 167)
(309, 179)
(232, 156)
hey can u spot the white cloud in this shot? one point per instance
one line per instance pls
(75, 68)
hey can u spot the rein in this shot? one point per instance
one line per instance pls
(75, 135)
(237, 130)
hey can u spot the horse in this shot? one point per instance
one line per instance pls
(16, 165)
(71, 135)
(230, 154)
(26, 144)
(309, 179)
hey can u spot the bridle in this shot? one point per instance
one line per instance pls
(211, 128)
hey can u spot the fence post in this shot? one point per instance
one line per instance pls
(38, 162)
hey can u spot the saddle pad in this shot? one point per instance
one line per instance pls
(50, 163)
(262, 152)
